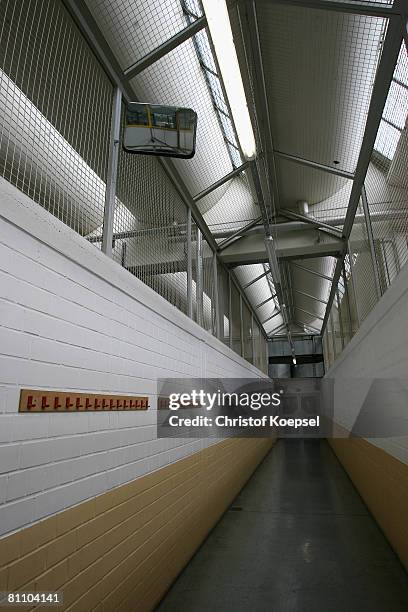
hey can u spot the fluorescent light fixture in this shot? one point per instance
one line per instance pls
(220, 29)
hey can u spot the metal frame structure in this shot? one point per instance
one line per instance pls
(109, 208)
(263, 182)
(165, 48)
(358, 8)
(315, 165)
(86, 23)
(385, 71)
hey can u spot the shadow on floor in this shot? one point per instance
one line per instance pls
(298, 538)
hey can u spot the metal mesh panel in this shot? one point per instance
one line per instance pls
(333, 210)
(177, 79)
(229, 207)
(260, 292)
(387, 180)
(386, 187)
(54, 146)
(134, 28)
(150, 238)
(326, 122)
(223, 302)
(209, 306)
(327, 194)
(235, 319)
(247, 333)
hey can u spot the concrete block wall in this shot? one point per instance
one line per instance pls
(71, 319)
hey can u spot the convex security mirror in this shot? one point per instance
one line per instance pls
(153, 129)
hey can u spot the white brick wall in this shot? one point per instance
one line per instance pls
(378, 350)
(71, 319)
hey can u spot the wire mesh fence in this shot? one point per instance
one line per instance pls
(53, 145)
(150, 227)
(134, 29)
(378, 244)
(56, 105)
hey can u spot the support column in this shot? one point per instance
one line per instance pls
(111, 175)
(241, 321)
(216, 298)
(199, 280)
(371, 241)
(189, 267)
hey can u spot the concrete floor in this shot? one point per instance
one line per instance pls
(297, 538)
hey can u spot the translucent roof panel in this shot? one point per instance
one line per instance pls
(396, 107)
(395, 110)
(387, 140)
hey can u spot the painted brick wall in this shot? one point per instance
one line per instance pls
(71, 319)
(378, 350)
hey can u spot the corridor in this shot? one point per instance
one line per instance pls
(297, 538)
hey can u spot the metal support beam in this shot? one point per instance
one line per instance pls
(275, 314)
(182, 190)
(264, 170)
(319, 274)
(290, 214)
(340, 320)
(238, 234)
(230, 309)
(216, 298)
(347, 296)
(254, 280)
(165, 48)
(111, 175)
(311, 164)
(241, 324)
(385, 71)
(280, 327)
(265, 301)
(312, 314)
(308, 326)
(358, 8)
(199, 279)
(308, 295)
(189, 267)
(220, 182)
(89, 28)
(246, 301)
(371, 242)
